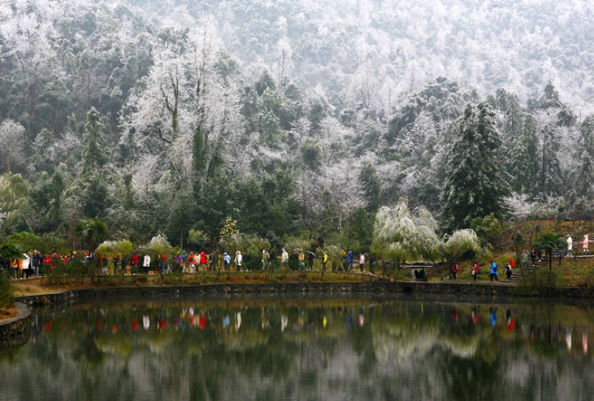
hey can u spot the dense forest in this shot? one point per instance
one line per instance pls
(291, 118)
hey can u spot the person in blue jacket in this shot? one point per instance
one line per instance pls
(494, 271)
(350, 261)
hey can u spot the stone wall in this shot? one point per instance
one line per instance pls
(449, 290)
(16, 331)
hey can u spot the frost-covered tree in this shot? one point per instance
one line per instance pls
(551, 176)
(524, 161)
(399, 235)
(94, 154)
(584, 154)
(12, 138)
(475, 185)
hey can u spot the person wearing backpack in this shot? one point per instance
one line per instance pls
(508, 272)
(493, 274)
(454, 270)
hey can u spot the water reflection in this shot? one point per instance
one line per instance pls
(325, 349)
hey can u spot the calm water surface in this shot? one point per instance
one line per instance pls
(304, 350)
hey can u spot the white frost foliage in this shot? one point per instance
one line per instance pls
(162, 97)
(519, 206)
(459, 242)
(11, 142)
(27, 28)
(399, 235)
(158, 245)
(341, 181)
(146, 173)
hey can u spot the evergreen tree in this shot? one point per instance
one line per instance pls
(524, 165)
(199, 156)
(584, 173)
(551, 181)
(94, 155)
(475, 185)
(371, 185)
(512, 125)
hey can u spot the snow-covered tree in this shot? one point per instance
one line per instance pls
(475, 185)
(94, 155)
(584, 173)
(12, 138)
(399, 235)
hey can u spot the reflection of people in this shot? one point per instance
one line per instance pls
(508, 319)
(493, 312)
(474, 316)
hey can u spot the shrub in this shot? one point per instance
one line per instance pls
(6, 292)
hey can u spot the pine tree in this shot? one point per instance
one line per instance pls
(584, 173)
(525, 165)
(551, 180)
(94, 155)
(199, 159)
(372, 187)
(475, 185)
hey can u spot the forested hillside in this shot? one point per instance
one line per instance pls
(293, 118)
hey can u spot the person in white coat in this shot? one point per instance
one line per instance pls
(238, 260)
(569, 246)
(284, 258)
(26, 265)
(146, 263)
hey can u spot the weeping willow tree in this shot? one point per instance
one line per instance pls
(461, 241)
(399, 235)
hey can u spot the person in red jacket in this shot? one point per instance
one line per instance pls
(203, 261)
(135, 261)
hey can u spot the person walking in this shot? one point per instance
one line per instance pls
(265, 259)
(135, 262)
(227, 261)
(116, 264)
(493, 274)
(212, 261)
(301, 258)
(350, 261)
(203, 261)
(585, 247)
(272, 259)
(146, 263)
(238, 261)
(324, 261)
(361, 262)
(310, 260)
(569, 246)
(475, 270)
(454, 270)
(508, 272)
(284, 258)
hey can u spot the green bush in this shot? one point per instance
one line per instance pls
(540, 282)
(6, 292)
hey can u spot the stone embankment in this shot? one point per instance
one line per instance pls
(452, 289)
(16, 331)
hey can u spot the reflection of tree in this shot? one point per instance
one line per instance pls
(88, 351)
(403, 350)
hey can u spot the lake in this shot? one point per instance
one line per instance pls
(304, 349)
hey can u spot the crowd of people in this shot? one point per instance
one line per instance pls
(34, 264)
